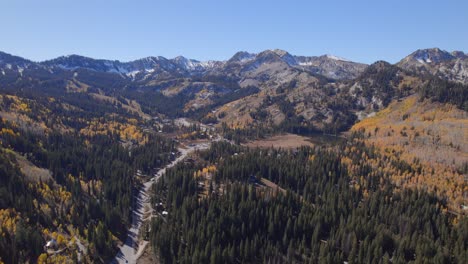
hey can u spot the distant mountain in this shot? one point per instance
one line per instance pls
(424, 56)
(10, 64)
(326, 65)
(195, 66)
(241, 56)
(133, 69)
(331, 66)
(7, 59)
(325, 91)
(450, 66)
(153, 67)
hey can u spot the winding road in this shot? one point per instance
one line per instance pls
(131, 249)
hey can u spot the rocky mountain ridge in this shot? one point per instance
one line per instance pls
(269, 88)
(330, 66)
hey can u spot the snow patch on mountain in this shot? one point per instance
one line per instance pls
(194, 65)
(306, 63)
(133, 74)
(423, 60)
(333, 57)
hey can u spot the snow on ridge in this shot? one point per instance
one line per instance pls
(248, 58)
(243, 56)
(190, 64)
(109, 67)
(134, 73)
(209, 64)
(333, 57)
(306, 63)
(279, 52)
(66, 67)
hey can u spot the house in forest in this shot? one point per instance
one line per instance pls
(51, 244)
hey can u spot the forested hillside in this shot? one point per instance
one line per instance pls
(431, 138)
(67, 176)
(327, 207)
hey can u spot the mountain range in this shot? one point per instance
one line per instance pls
(319, 90)
(431, 60)
(154, 67)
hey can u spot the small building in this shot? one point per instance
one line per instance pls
(51, 244)
(159, 207)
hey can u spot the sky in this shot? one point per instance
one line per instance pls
(362, 31)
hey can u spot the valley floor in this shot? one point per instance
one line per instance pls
(286, 141)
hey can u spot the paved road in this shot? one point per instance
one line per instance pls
(128, 252)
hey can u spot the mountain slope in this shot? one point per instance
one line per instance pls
(429, 135)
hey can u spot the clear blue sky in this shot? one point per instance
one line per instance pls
(363, 31)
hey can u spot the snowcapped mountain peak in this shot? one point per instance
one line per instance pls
(185, 63)
(72, 62)
(242, 56)
(211, 64)
(434, 55)
(180, 58)
(452, 66)
(333, 57)
(280, 52)
(154, 67)
(152, 59)
(195, 65)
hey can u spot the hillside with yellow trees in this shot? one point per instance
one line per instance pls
(67, 180)
(429, 136)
